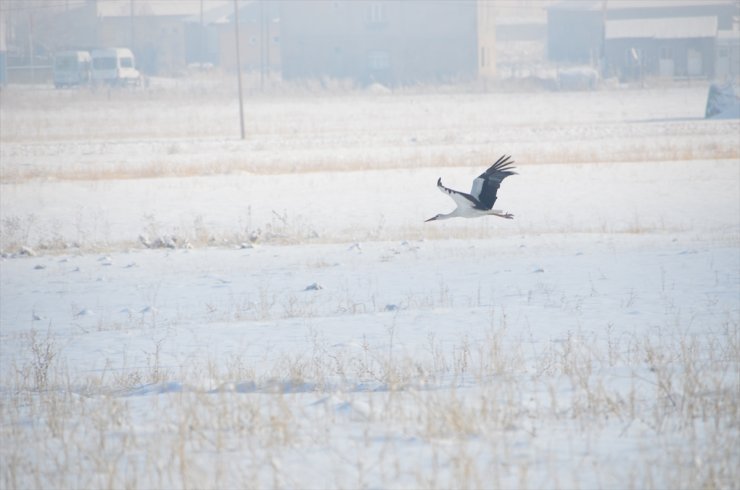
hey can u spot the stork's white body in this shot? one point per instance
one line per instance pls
(482, 195)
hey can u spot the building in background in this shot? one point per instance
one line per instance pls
(487, 36)
(667, 47)
(727, 55)
(392, 42)
(211, 39)
(632, 39)
(154, 31)
(165, 36)
(575, 31)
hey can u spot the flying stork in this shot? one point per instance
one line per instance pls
(483, 194)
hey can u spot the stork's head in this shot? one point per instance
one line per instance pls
(440, 216)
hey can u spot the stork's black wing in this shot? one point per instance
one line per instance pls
(486, 184)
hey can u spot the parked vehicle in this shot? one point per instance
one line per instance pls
(114, 66)
(72, 68)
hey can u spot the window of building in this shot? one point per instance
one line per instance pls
(666, 53)
(694, 62)
(379, 60)
(377, 13)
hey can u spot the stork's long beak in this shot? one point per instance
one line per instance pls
(430, 219)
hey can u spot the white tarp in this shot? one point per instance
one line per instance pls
(722, 103)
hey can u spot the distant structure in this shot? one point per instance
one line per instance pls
(392, 42)
(389, 42)
(154, 31)
(209, 37)
(165, 36)
(636, 38)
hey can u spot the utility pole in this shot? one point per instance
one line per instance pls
(262, 45)
(602, 52)
(31, 47)
(131, 18)
(238, 67)
(201, 34)
(3, 49)
(267, 41)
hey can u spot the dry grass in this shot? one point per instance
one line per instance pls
(161, 167)
(672, 398)
(184, 132)
(598, 406)
(23, 235)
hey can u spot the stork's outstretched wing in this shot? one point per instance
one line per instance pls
(461, 199)
(486, 184)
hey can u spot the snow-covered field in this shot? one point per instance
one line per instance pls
(179, 308)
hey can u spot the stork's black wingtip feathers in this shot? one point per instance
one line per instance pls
(439, 181)
(501, 159)
(503, 167)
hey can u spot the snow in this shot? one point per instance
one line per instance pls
(300, 326)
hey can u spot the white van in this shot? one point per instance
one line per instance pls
(72, 68)
(114, 66)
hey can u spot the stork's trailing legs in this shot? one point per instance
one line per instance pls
(502, 214)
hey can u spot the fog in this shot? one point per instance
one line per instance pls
(217, 269)
(395, 43)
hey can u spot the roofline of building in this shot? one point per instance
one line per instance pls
(614, 5)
